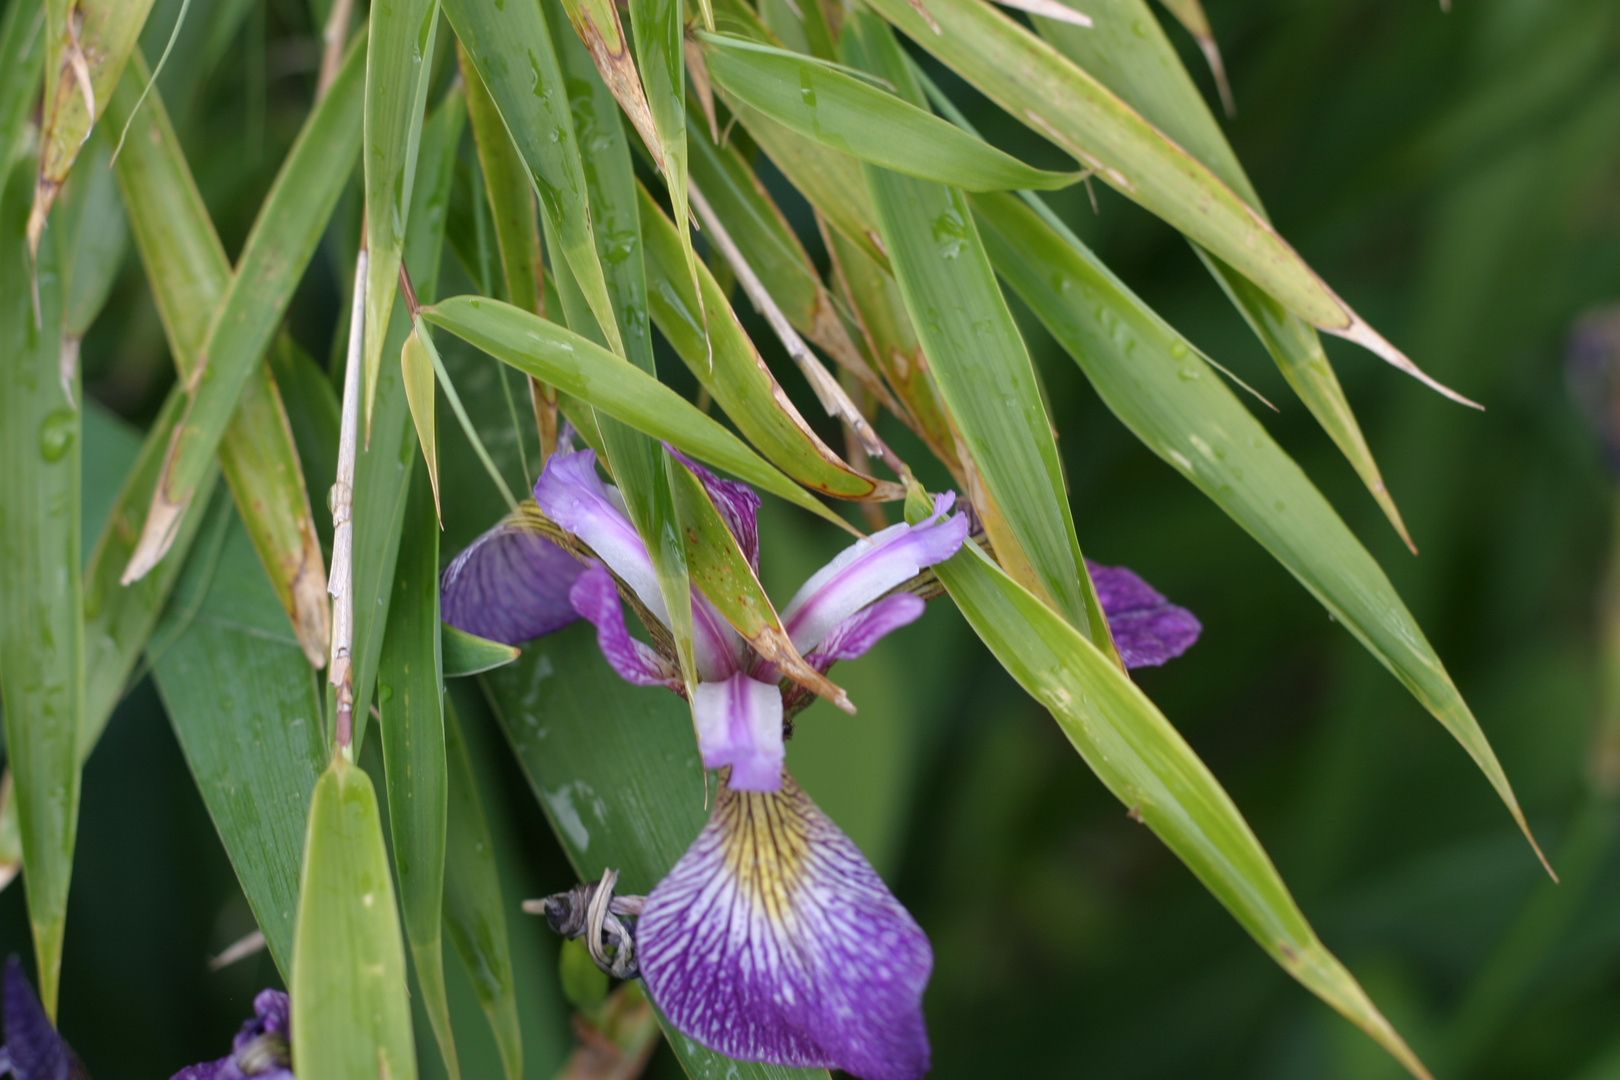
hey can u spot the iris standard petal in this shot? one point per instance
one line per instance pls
(869, 568)
(773, 940)
(739, 724)
(737, 503)
(511, 584)
(596, 597)
(1148, 629)
(571, 493)
(34, 1049)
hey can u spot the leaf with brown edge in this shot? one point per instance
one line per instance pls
(597, 23)
(1190, 14)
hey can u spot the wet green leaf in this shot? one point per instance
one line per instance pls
(22, 58)
(467, 654)
(410, 697)
(41, 590)
(351, 1016)
(978, 358)
(399, 59)
(1171, 399)
(416, 372)
(1145, 762)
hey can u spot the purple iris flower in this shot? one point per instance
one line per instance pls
(772, 939)
(33, 1050)
(262, 1049)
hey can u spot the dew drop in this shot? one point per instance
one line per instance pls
(56, 434)
(385, 693)
(1178, 349)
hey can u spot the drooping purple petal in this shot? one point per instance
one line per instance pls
(1148, 629)
(34, 1049)
(773, 940)
(858, 633)
(272, 1015)
(869, 568)
(575, 497)
(596, 597)
(511, 584)
(739, 724)
(260, 1049)
(737, 503)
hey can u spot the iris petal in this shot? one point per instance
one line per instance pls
(35, 1050)
(575, 497)
(511, 584)
(596, 596)
(858, 633)
(737, 503)
(739, 724)
(1148, 629)
(774, 940)
(869, 568)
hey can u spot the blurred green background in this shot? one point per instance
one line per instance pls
(1457, 177)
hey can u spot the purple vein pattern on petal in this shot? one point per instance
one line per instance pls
(596, 596)
(35, 1050)
(739, 724)
(858, 633)
(737, 503)
(1147, 628)
(511, 584)
(773, 940)
(869, 568)
(571, 493)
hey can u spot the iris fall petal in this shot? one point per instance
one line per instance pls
(33, 1049)
(774, 940)
(511, 584)
(1148, 629)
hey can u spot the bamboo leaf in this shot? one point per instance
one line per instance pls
(511, 46)
(467, 654)
(350, 1013)
(726, 363)
(95, 236)
(852, 116)
(86, 46)
(246, 710)
(972, 345)
(510, 193)
(660, 50)
(1143, 760)
(41, 589)
(190, 277)
(589, 372)
(416, 372)
(1190, 14)
(616, 770)
(1163, 390)
(399, 59)
(22, 58)
(284, 236)
(383, 469)
(1042, 88)
(410, 694)
(1128, 53)
(474, 913)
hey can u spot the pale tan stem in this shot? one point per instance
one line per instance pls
(340, 583)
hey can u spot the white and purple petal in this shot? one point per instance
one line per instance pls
(571, 493)
(511, 584)
(596, 596)
(869, 568)
(774, 940)
(858, 633)
(1148, 629)
(739, 725)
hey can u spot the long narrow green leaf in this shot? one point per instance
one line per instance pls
(1047, 91)
(660, 31)
(511, 45)
(410, 695)
(42, 634)
(724, 360)
(977, 356)
(95, 236)
(284, 237)
(246, 710)
(1145, 762)
(351, 1016)
(399, 59)
(1126, 51)
(190, 277)
(1165, 392)
(85, 53)
(22, 56)
(616, 770)
(589, 372)
(510, 193)
(854, 117)
(474, 915)
(467, 654)
(383, 469)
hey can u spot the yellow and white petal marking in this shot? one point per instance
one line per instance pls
(774, 940)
